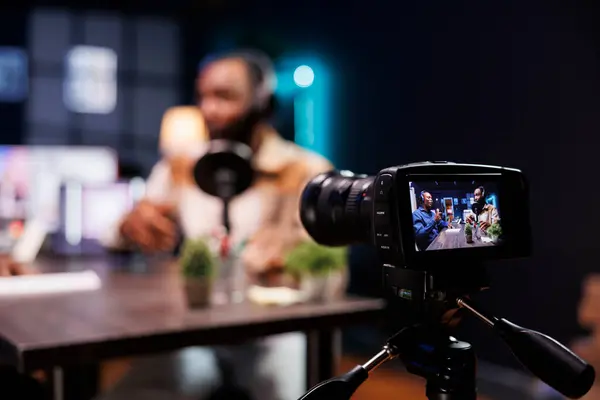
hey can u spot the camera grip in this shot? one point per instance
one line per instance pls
(548, 359)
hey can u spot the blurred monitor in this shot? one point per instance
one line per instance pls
(31, 178)
(88, 213)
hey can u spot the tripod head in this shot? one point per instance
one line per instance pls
(448, 365)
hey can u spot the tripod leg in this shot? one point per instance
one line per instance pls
(323, 350)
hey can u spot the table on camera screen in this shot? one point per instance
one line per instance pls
(455, 238)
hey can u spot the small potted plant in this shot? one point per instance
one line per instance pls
(494, 231)
(321, 270)
(469, 233)
(198, 264)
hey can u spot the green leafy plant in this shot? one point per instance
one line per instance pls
(494, 230)
(468, 230)
(310, 258)
(197, 259)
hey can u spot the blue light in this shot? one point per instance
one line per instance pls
(14, 85)
(304, 76)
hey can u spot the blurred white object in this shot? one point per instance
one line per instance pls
(102, 207)
(275, 296)
(8, 201)
(30, 242)
(49, 283)
(413, 199)
(182, 131)
(91, 80)
(137, 189)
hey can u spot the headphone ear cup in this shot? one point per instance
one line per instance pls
(271, 106)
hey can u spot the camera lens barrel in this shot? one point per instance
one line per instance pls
(336, 208)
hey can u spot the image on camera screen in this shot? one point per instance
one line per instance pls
(455, 215)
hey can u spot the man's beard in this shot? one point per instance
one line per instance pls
(240, 130)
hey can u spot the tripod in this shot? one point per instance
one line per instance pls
(449, 365)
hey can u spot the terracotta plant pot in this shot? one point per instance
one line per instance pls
(469, 238)
(198, 292)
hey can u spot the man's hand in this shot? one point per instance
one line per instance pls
(8, 267)
(470, 219)
(438, 215)
(151, 227)
(264, 252)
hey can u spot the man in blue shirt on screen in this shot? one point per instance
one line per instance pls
(427, 223)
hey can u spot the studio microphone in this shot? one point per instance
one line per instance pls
(225, 171)
(477, 209)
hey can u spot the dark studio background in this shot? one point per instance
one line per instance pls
(516, 84)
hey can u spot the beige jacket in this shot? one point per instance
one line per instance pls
(265, 217)
(489, 213)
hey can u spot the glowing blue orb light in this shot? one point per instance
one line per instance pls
(304, 76)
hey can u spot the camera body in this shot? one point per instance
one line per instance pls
(433, 223)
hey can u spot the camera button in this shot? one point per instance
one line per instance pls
(383, 238)
(382, 216)
(382, 187)
(386, 251)
(382, 210)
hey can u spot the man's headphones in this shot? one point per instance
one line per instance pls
(261, 70)
(423, 196)
(482, 190)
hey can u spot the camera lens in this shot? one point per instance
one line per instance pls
(336, 208)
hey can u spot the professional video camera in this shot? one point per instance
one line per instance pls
(434, 224)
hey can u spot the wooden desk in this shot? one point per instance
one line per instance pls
(144, 313)
(457, 240)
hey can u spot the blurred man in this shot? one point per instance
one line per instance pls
(235, 97)
(485, 214)
(427, 223)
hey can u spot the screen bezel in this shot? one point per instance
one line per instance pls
(513, 200)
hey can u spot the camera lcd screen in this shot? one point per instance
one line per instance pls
(449, 215)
